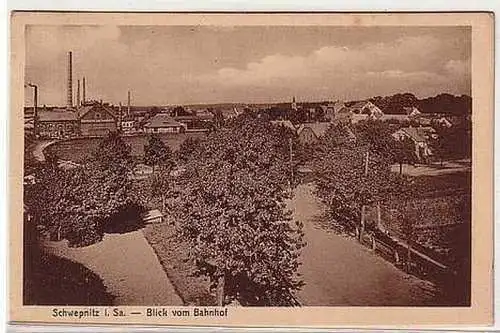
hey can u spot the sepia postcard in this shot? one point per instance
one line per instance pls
(251, 169)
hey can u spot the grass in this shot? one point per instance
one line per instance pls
(173, 256)
(440, 213)
(78, 150)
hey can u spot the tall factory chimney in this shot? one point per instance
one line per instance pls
(83, 97)
(69, 100)
(128, 104)
(78, 94)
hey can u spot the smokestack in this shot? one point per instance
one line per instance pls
(78, 94)
(128, 104)
(69, 100)
(83, 97)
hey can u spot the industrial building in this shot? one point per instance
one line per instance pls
(86, 118)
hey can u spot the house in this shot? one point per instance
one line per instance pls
(58, 123)
(420, 136)
(97, 119)
(331, 109)
(311, 132)
(443, 122)
(227, 113)
(195, 121)
(411, 111)
(395, 118)
(368, 108)
(163, 123)
(357, 112)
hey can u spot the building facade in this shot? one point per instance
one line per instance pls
(93, 119)
(97, 120)
(163, 123)
(58, 123)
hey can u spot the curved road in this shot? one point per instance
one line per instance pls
(338, 271)
(39, 147)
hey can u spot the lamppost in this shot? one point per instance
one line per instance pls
(35, 102)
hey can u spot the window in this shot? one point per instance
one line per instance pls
(97, 115)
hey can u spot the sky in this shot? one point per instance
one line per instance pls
(170, 65)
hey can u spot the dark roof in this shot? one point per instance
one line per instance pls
(83, 110)
(319, 129)
(128, 118)
(163, 120)
(57, 115)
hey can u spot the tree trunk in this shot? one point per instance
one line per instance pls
(221, 286)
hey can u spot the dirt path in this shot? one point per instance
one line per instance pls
(338, 271)
(39, 147)
(128, 267)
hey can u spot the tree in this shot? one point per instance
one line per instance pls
(187, 148)
(157, 153)
(404, 152)
(354, 171)
(343, 184)
(232, 211)
(112, 154)
(79, 204)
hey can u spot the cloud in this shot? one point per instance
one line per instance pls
(211, 64)
(365, 70)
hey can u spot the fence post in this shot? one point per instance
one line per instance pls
(396, 257)
(362, 226)
(374, 243)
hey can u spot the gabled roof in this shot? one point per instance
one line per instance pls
(57, 115)
(319, 129)
(359, 106)
(418, 134)
(83, 110)
(411, 110)
(163, 120)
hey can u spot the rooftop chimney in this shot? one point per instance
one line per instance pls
(69, 100)
(83, 97)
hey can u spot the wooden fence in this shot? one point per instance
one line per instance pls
(414, 258)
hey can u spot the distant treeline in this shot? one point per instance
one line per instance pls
(442, 103)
